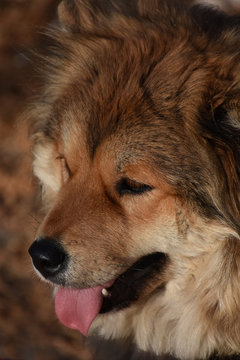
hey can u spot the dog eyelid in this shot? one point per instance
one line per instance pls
(59, 157)
(132, 187)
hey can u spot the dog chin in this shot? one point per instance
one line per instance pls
(105, 324)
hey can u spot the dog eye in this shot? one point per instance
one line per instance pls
(132, 187)
(65, 170)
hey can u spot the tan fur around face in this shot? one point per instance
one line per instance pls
(147, 91)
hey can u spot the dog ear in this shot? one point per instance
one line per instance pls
(66, 10)
(224, 137)
(88, 15)
(70, 14)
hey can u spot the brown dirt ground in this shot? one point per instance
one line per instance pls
(29, 329)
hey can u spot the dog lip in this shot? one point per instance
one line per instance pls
(127, 288)
(104, 286)
(108, 284)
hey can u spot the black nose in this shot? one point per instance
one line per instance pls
(48, 256)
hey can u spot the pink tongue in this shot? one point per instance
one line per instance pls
(78, 308)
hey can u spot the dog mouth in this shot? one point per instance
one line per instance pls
(77, 308)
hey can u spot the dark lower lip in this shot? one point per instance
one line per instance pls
(129, 286)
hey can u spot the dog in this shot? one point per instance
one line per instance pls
(137, 150)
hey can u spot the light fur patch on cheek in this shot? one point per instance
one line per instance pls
(46, 168)
(156, 231)
(155, 238)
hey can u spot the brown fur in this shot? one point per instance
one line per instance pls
(149, 90)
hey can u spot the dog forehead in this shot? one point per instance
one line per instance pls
(127, 98)
(130, 125)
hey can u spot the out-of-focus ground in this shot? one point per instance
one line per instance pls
(29, 329)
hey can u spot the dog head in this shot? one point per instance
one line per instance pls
(136, 146)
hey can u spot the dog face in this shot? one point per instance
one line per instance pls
(136, 146)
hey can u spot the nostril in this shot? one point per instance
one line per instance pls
(48, 256)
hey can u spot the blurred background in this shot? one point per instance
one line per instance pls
(29, 329)
(28, 326)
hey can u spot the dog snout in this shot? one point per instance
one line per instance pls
(48, 257)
